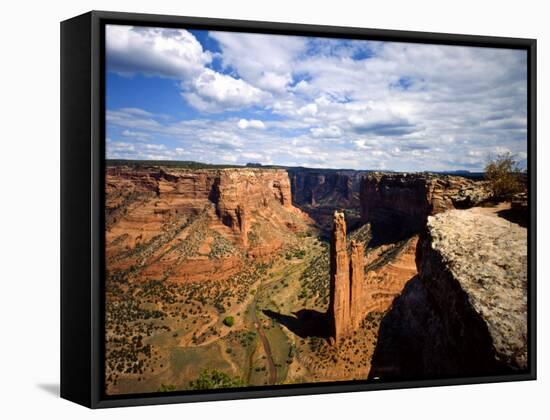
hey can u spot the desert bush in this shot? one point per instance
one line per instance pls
(214, 379)
(503, 176)
(166, 388)
(229, 321)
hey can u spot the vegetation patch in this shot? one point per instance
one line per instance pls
(229, 321)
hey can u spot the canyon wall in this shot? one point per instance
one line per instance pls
(233, 192)
(320, 192)
(176, 222)
(465, 313)
(316, 186)
(397, 204)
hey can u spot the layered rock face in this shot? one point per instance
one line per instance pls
(233, 192)
(177, 222)
(319, 192)
(389, 268)
(397, 205)
(315, 186)
(347, 282)
(465, 313)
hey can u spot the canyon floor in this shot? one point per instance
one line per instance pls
(203, 277)
(278, 333)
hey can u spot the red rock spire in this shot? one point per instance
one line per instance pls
(339, 279)
(347, 282)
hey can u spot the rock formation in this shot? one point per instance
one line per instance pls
(339, 306)
(180, 221)
(358, 294)
(347, 282)
(398, 205)
(319, 192)
(466, 311)
(314, 186)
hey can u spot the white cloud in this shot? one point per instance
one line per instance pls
(326, 132)
(136, 135)
(212, 91)
(379, 122)
(274, 82)
(229, 158)
(265, 61)
(309, 109)
(162, 52)
(244, 124)
(155, 147)
(400, 106)
(180, 151)
(252, 155)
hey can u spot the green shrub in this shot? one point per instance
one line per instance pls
(213, 379)
(166, 388)
(229, 321)
(503, 175)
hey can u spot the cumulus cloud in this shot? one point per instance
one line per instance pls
(173, 53)
(177, 54)
(326, 132)
(324, 102)
(212, 91)
(388, 125)
(244, 124)
(266, 61)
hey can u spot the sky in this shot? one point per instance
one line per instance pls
(236, 98)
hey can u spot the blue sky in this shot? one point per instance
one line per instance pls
(227, 97)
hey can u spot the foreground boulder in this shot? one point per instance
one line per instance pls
(465, 314)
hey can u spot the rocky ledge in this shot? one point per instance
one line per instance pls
(466, 311)
(487, 256)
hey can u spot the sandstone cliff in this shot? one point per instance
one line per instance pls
(321, 191)
(397, 205)
(316, 186)
(187, 224)
(466, 311)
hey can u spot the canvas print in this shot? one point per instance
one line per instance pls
(285, 210)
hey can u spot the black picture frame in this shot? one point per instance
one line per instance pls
(82, 203)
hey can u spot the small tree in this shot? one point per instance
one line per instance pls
(503, 176)
(229, 321)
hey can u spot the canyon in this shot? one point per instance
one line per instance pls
(318, 192)
(278, 275)
(398, 205)
(190, 224)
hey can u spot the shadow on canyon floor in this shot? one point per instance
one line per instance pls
(390, 233)
(304, 323)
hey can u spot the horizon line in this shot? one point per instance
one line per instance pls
(252, 165)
